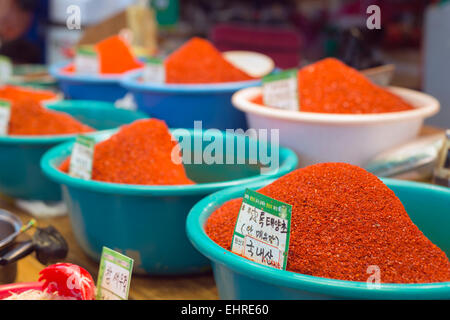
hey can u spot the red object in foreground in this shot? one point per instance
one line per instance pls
(17, 288)
(68, 280)
(344, 219)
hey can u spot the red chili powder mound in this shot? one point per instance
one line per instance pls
(330, 86)
(198, 61)
(28, 117)
(140, 153)
(115, 56)
(15, 92)
(344, 219)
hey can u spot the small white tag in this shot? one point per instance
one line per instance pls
(82, 158)
(86, 62)
(6, 69)
(5, 115)
(281, 90)
(154, 71)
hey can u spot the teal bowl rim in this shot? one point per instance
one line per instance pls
(60, 138)
(130, 82)
(290, 163)
(339, 288)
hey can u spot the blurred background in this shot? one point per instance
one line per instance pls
(293, 33)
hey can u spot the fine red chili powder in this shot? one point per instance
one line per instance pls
(115, 56)
(28, 117)
(12, 93)
(344, 219)
(198, 61)
(330, 86)
(140, 153)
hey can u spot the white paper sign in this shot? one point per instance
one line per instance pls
(5, 115)
(82, 158)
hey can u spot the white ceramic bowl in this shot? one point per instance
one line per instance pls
(351, 138)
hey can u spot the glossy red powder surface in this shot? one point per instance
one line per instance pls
(330, 86)
(198, 61)
(140, 153)
(344, 219)
(28, 117)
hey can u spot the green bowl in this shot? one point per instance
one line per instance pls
(239, 278)
(148, 222)
(20, 172)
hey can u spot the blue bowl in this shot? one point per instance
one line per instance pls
(239, 278)
(148, 222)
(88, 87)
(182, 104)
(20, 172)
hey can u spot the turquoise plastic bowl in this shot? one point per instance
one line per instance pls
(20, 172)
(148, 222)
(182, 104)
(88, 87)
(239, 278)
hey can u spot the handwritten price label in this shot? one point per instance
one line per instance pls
(82, 158)
(281, 90)
(262, 230)
(114, 276)
(86, 61)
(154, 71)
(5, 114)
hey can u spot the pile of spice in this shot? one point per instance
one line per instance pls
(344, 219)
(198, 61)
(140, 153)
(115, 56)
(12, 93)
(29, 117)
(112, 55)
(330, 86)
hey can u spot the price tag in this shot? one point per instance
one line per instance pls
(262, 230)
(114, 277)
(154, 71)
(6, 69)
(5, 115)
(82, 158)
(86, 61)
(281, 90)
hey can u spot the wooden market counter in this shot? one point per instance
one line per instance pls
(142, 288)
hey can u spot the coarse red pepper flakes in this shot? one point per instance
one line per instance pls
(29, 117)
(198, 61)
(12, 93)
(140, 153)
(344, 219)
(330, 86)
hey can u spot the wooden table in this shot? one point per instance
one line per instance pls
(142, 288)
